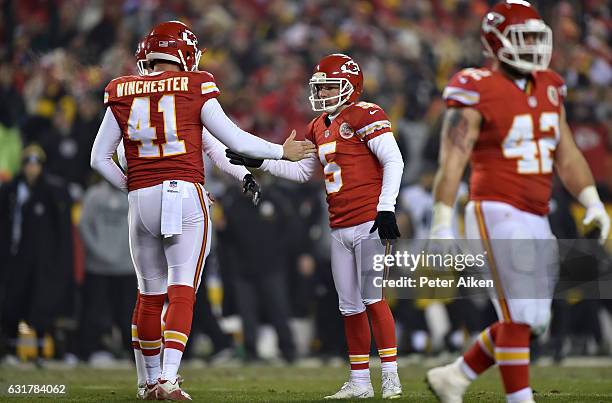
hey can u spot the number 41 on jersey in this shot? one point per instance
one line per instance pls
(139, 128)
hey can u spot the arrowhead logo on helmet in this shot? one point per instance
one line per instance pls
(174, 42)
(335, 69)
(514, 33)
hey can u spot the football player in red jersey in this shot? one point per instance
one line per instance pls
(160, 118)
(213, 149)
(509, 122)
(363, 169)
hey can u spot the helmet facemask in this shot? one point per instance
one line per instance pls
(142, 65)
(525, 47)
(197, 55)
(329, 104)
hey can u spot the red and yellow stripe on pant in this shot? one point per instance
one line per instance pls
(484, 235)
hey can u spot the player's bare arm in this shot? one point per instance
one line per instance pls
(570, 164)
(460, 131)
(575, 174)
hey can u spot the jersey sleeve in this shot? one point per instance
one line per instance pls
(372, 121)
(462, 90)
(309, 135)
(559, 83)
(110, 93)
(206, 86)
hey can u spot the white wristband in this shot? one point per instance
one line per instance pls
(442, 216)
(589, 197)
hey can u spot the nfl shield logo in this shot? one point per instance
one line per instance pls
(173, 184)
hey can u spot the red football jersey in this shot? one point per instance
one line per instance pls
(159, 116)
(353, 174)
(512, 160)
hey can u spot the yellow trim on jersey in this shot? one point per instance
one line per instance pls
(372, 127)
(462, 95)
(208, 87)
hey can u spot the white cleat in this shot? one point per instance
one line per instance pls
(167, 390)
(140, 392)
(391, 386)
(353, 390)
(148, 392)
(448, 383)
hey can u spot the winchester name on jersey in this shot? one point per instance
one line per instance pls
(159, 117)
(512, 160)
(353, 174)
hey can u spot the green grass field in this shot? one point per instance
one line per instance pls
(287, 384)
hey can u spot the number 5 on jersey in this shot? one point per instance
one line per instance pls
(332, 171)
(139, 128)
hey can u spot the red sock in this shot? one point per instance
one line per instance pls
(481, 355)
(512, 355)
(149, 316)
(383, 328)
(135, 340)
(357, 333)
(179, 316)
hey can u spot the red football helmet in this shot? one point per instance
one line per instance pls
(515, 34)
(141, 58)
(173, 41)
(335, 69)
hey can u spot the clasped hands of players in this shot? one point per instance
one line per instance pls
(385, 221)
(294, 150)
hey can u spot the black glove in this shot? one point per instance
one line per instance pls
(251, 188)
(386, 225)
(237, 159)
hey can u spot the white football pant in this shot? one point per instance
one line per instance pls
(351, 262)
(524, 270)
(176, 260)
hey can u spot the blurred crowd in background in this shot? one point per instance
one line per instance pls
(64, 258)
